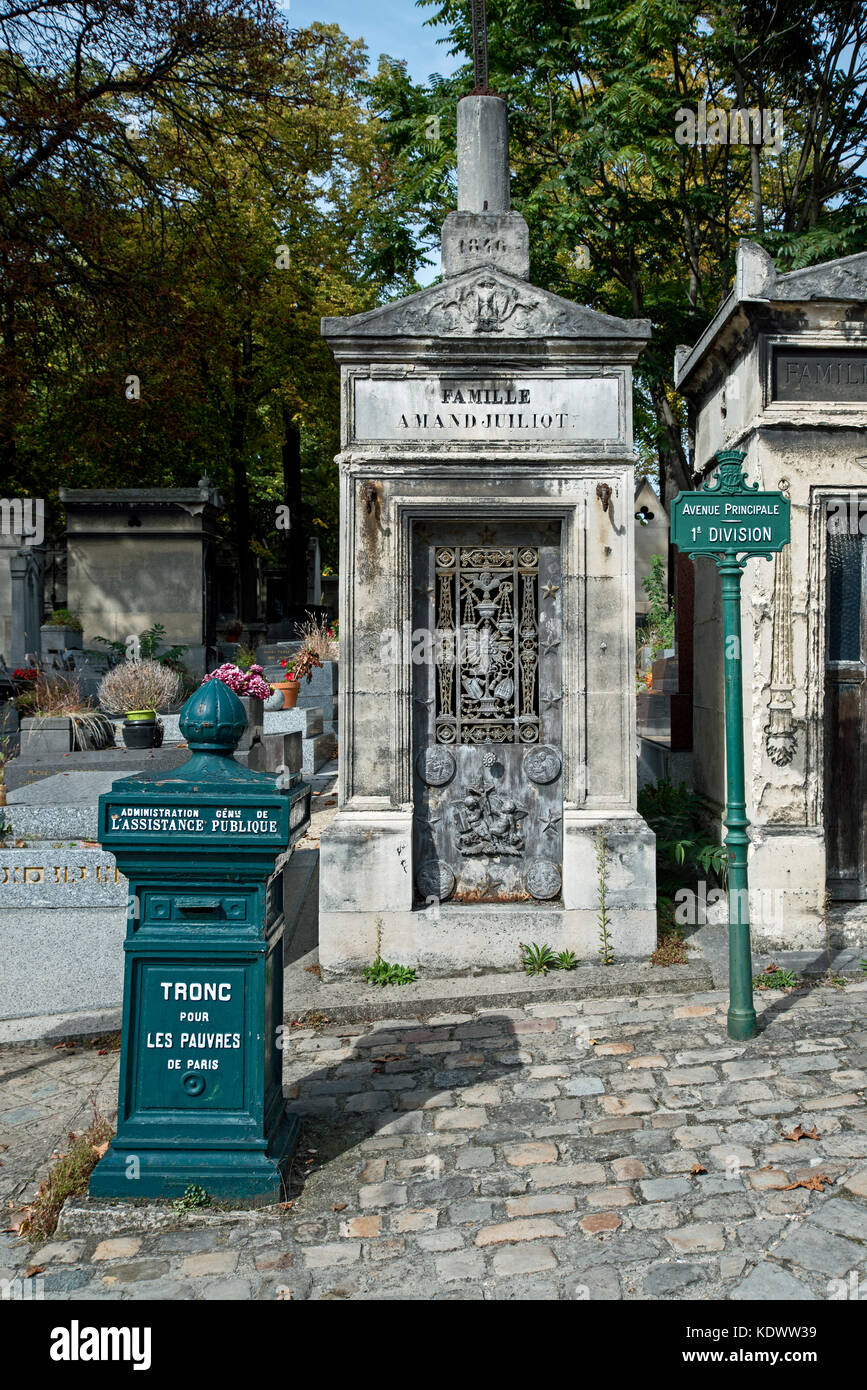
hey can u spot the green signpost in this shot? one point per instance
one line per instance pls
(731, 520)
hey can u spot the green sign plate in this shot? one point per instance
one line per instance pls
(191, 1036)
(730, 516)
(136, 819)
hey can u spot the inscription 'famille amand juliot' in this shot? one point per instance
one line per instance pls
(543, 408)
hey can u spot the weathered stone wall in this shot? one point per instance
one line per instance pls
(813, 449)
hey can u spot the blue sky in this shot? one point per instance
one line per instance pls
(396, 27)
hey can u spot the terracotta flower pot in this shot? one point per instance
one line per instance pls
(290, 692)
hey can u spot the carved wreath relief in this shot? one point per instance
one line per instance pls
(483, 307)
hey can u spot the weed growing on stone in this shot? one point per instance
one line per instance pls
(567, 960)
(537, 960)
(193, 1198)
(67, 1177)
(381, 973)
(832, 981)
(775, 978)
(606, 950)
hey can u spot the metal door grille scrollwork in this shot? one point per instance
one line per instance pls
(487, 624)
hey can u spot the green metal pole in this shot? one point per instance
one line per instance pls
(741, 1014)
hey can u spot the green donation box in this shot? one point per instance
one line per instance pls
(200, 1095)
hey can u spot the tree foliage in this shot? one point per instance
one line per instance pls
(185, 189)
(594, 95)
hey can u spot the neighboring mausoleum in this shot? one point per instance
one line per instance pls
(781, 372)
(137, 556)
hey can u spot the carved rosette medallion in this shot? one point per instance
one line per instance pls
(435, 766)
(543, 879)
(434, 879)
(543, 765)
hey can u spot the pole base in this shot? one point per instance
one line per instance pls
(741, 1024)
(248, 1175)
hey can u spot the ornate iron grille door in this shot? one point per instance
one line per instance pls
(487, 728)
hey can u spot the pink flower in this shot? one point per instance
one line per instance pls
(242, 682)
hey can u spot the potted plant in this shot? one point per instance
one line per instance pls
(58, 719)
(249, 685)
(300, 668)
(63, 629)
(137, 689)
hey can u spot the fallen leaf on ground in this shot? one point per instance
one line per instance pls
(99, 1149)
(815, 1184)
(800, 1133)
(697, 1168)
(286, 1206)
(340, 1206)
(34, 1269)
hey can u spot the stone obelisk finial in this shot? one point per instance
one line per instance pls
(484, 232)
(483, 134)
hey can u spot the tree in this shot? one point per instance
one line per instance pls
(176, 331)
(594, 97)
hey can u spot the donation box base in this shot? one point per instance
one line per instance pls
(256, 1177)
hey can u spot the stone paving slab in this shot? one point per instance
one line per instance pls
(23, 771)
(60, 807)
(352, 1000)
(617, 1148)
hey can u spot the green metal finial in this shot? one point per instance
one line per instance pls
(213, 719)
(731, 477)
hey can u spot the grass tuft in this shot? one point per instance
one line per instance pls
(67, 1177)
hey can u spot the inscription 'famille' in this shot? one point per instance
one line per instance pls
(493, 420)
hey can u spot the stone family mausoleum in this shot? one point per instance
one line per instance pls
(781, 373)
(488, 609)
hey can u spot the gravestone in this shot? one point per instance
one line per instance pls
(314, 573)
(27, 570)
(487, 642)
